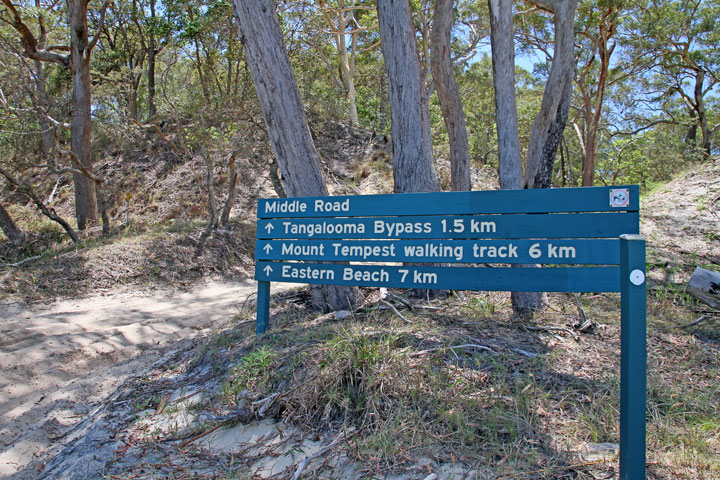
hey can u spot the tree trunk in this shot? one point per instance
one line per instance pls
(506, 118)
(152, 109)
(413, 165)
(285, 119)
(702, 114)
(588, 174)
(549, 124)
(133, 101)
(232, 191)
(449, 96)
(85, 200)
(503, 61)
(346, 65)
(7, 225)
(705, 286)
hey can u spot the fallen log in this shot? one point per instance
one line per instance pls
(705, 286)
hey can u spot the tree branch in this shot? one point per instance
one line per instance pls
(29, 42)
(48, 212)
(95, 39)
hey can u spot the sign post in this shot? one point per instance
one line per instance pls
(587, 237)
(633, 360)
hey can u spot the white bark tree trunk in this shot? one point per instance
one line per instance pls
(78, 62)
(449, 95)
(503, 59)
(285, 119)
(506, 118)
(413, 164)
(549, 124)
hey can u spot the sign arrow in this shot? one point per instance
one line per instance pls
(267, 248)
(269, 227)
(267, 269)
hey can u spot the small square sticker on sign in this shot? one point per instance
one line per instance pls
(619, 197)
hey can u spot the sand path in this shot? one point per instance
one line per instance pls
(59, 361)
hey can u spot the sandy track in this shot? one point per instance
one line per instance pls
(59, 361)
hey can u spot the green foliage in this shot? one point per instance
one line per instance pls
(253, 373)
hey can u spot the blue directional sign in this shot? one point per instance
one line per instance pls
(382, 238)
(569, 279)
(544, 251)
(571, 225)
(585, 199)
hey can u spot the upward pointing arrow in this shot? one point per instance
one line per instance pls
(269, 227)
(267, 248)
(267, 269)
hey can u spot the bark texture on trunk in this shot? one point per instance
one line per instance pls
(232, 191)
(449, 95)
(285, 119)
(152, 52)
(7, 225)
(549, 124)
(85, 199)
(279, 98)
(503, 62)
(413, 164)
(705, 286)
(699, 94)
(511, 177)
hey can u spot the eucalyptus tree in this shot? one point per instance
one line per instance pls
(340, 17)
(678, 39)
(549, 123)
(285, 119)
(596, 41)
(413, 163)
(448, 94)
(80, 45)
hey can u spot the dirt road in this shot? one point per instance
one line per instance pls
(58, 361)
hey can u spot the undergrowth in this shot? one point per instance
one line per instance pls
(462, 382)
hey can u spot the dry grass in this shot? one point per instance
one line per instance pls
(411, 395)
(462, 386)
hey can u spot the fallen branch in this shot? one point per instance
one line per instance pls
(200, 435)
(395, 311)
(306, 461)
(21, 262)
(525, 353)
(696, 322)
(555, 329)
(402, 300)
(467, 345)
(48, 212)
(265, 403)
